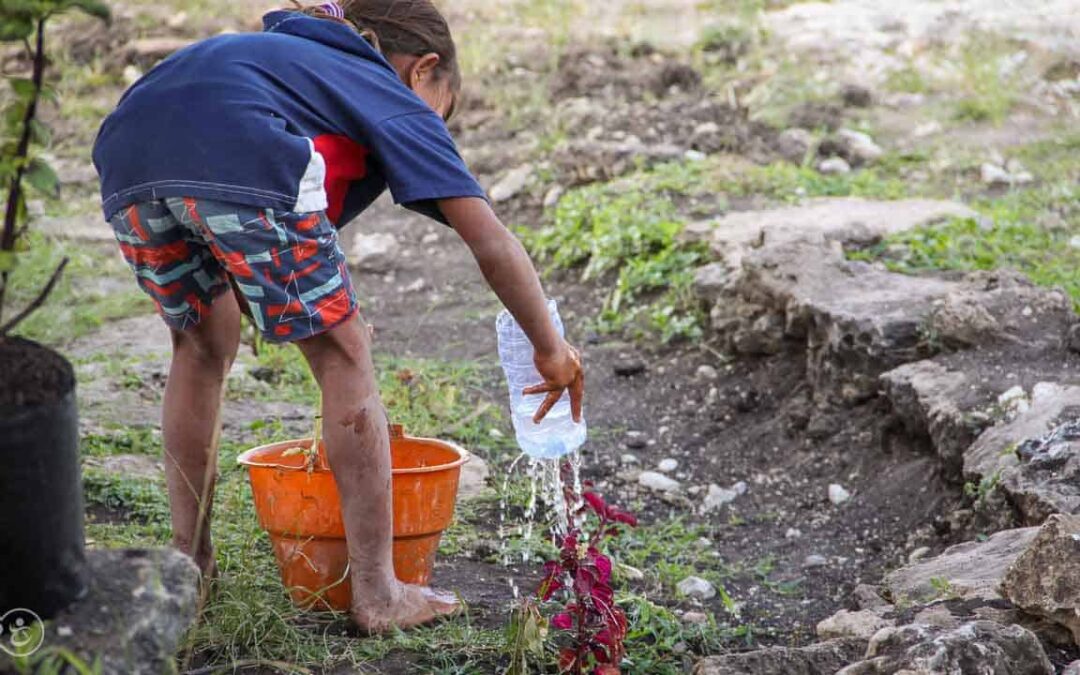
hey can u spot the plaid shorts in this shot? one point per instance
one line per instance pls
(288, 266)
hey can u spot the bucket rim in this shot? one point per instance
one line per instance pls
(464, 456)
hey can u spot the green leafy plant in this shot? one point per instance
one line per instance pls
(24, 21)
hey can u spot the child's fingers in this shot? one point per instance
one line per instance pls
(549, 402)
(577, 397)
(541, 388)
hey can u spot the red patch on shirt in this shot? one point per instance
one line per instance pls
(346, 162)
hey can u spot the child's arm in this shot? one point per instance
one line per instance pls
(510, 273)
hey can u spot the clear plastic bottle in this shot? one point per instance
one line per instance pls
(557, 434)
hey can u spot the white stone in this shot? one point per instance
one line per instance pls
(1075, 242)
(695, 618)
(552, 196)
(859, 146)
(696, 588)
(992, 174)
(657, 482)
(717, 497)
(376, 252)
(918, 554)
(510, 185)
(793, 533)
(707, 372)
(1014, 401)
(631, 573)
(928, 129)
(668, 465)
(834, 166)
(838, 495)
(815, 561)
(495, 433)
(629, 459)
(845, 624)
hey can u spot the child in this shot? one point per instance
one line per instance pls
(229, 166)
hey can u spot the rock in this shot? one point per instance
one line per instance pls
(589, 160)
(848, 220)
(992, 174)
(795, 145)
(1072, 669)
(792, 533)
(975, 647)
(717, 497)
(931, 128)
(473, 480)
(139, 605)
(629, 367)
(814, 560)
(845, 624)
(856, 96)
(707, 372)
(918, 554)
(1014, 402)
(668, 465)
(854, 146)
(834, 166)
(1074, 336)
(938, 403)
(511, 184)
(147, 51)
(696, 618)
(629, 459)
(866, 596)
(838, 495)
(1045, 579)
(696, 588)
(972, 570)
(552, 196)
(375, 253)
(819, 659)
(657, 482)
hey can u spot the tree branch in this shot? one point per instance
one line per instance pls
(36, 302)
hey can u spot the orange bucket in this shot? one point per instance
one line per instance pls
(301, 511)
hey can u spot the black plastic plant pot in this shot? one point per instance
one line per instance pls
(42, 545)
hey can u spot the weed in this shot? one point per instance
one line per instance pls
(984, 488)
(122, 440)
(944, 589)
(989, 84)
(909, 79)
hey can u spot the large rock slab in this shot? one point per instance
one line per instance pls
(970, 571)
(140, 603)
(1045, 579)
(820, 659)
(941, 404)
(977, 647)
(848, 220)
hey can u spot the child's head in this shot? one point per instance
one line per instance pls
(415, 38)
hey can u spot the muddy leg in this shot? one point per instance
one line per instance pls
(202, 357)
(358, 448)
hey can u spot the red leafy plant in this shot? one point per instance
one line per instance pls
(591, 627)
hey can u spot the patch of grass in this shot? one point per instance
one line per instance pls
(82, 301)
(143, 500)
(122, 441)
(989, 83)
(908, 79)
(1033, 230)
(630, 232)
(657, 640)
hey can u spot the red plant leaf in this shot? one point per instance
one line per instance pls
(567, 659)
(562, 621)
(607, 669)
(596, 503)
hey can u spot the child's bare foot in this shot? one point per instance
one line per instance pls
(411, 606)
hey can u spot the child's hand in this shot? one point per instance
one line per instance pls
(561, 370)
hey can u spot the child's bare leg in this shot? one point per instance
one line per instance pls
(202, 357)
(358, 448)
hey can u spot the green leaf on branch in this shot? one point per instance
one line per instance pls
(40, 133)
(15, 27)
(94, 8)
(22, 87)
(7, 261)
(42, 177)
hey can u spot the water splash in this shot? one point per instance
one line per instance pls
(546, 501)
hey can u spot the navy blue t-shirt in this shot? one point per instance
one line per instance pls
(305, 116)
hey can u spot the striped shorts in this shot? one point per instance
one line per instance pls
(288, 266)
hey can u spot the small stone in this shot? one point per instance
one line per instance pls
(838, 495)
(696, 588)
(495, 433)
(845, 624)
(795, 144)
(1072, 669)
(658, 482)
(930, 128)
(918, 554)
(1074, 338)
(992, 174)
(375, 252)
(629, 368)
(1014, 401)
(793, 533)
(629, 459)
(64, 631)
(740, 488)
(695, 618)
(668, 465)
(694, 155)
(707, 372)
(552, 196)
(856, 96)
(857, 147)
(815, 560)
(631, 573)
(131, 74)
(717, 497)
(834, 166)
(511, 185)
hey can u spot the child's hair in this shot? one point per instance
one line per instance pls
(413, 27)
